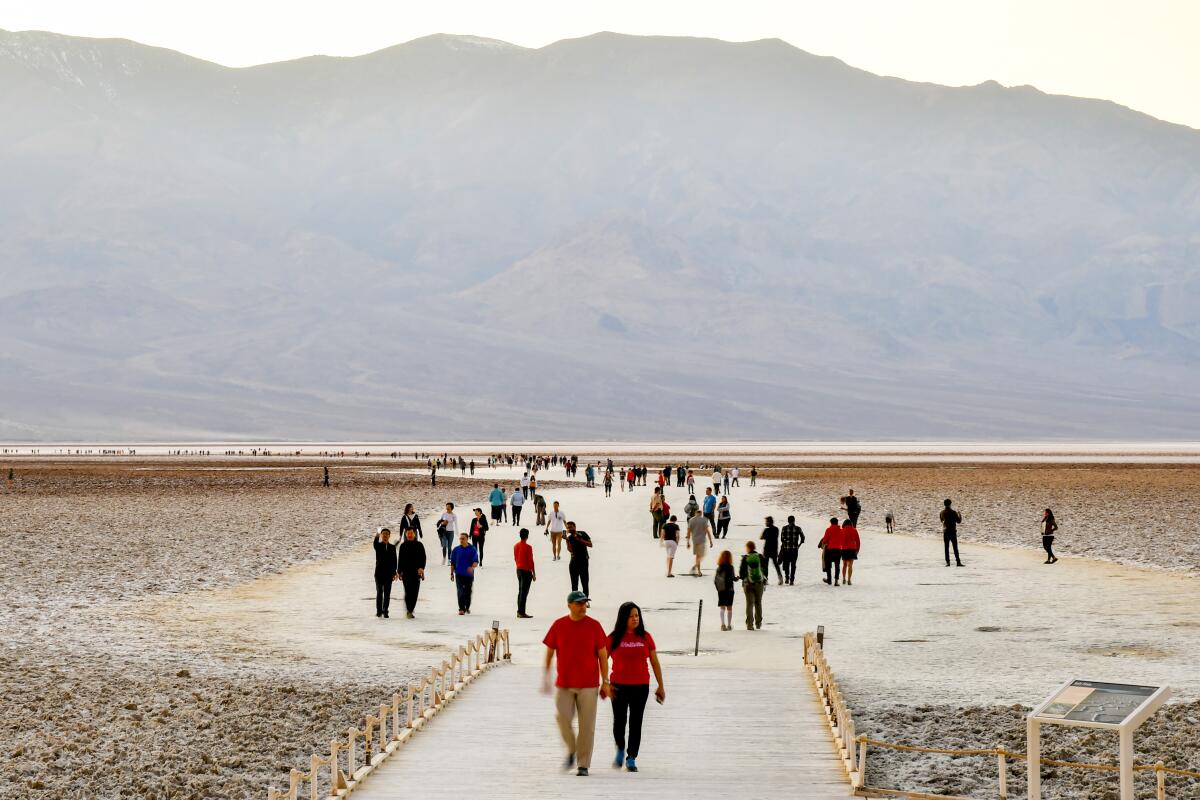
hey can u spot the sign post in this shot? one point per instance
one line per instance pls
(1119, 707)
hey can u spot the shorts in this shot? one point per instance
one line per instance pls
(849, 555)
(670, 546)
(700, 548)
(725, 598)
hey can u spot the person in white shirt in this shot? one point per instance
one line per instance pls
(518, 502)
(447, 527)
(525, 484)
(734, 474)
(556, 526)
(717, 480)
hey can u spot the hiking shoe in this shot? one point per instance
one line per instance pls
(619, 759)
(582, 772)
(631, 764)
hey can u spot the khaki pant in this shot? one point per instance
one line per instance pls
(568, 703)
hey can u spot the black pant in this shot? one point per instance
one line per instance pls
(788, 557)
(524, 581)
(608, 490)
(478, 542)
(629, 699)
(412, 588)
(768, 557)
(853, 515)
(465, 583)
(1048, 545)
(579, 574)
(517, 515)
(833, 562)
(723, 528)
(951, 538)
(383, 593)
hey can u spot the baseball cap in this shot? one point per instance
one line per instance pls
(578, 597)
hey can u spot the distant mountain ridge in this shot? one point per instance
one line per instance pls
(607, 237)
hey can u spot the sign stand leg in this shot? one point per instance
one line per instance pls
(1127, 764)
(1033, 748)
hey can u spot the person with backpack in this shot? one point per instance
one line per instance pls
(849, 548)
(753, 575)
(853, 508)
(831, 555)
(791, 536)
(633, 655)
(723, 580)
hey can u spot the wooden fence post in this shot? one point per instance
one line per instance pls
(1002, 766)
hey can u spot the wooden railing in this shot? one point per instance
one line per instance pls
(392, 725)
(853, 748)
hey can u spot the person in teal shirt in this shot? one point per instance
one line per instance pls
(496, 499)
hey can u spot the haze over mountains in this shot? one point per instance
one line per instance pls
(609, 237)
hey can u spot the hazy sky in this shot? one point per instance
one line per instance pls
(1140, 53)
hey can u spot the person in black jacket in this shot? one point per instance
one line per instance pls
(410, 565)
(410, 520)
(385, 571)
(479, 529)
(790, 539)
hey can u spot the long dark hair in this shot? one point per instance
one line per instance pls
(619, 630)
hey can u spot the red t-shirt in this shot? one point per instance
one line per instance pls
(523, 555)
(850, 540)
(833, 537)
(631, 661)
(575, 645)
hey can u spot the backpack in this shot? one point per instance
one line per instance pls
(754, 573)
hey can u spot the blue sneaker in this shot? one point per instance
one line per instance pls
(630, 764)
(619, 759)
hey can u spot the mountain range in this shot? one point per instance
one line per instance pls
(611, 237)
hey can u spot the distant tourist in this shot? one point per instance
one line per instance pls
(670, 543)
(410, 521)
(831, 555)
(849, 550)
(691, 482)
(580, 647)
(633, 656)
(889, 521)
(733, 474)
(518, 502)
(1049, 526)
(556, 526)
(578, 544)
(447, 527)
(608, 482)
(753, 574)
(385, 570)
(710, 507)
(433, 475)
(692, 508)
(463, 561)
(656, 511)
(770, 551)
(791, 536)
(754, 476)
(496, 500)
(478, 530)
(700, 538)
(411, 568)
(852, 506)
(539, 508)
(723, 580)
(325, 481)
(950, 519)
(526, 572)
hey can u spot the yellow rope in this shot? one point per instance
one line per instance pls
(1047, 761)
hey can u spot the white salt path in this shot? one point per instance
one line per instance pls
(720, 728)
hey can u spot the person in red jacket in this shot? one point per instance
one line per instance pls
(850, 545)
(831, 554)
(526, 573)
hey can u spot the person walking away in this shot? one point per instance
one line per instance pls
(680, 476)
(753, 575)
(631, 478)
(518, 502)
(666, 471)
(850, 546)
(889, 521)
(556, 526)
(734, 473)
(410, 565)
(691, 482)
(326, 479)
(724, 517)
(385, 570)
(447, 531)
(656, 511)
(524, 482)
(578, 544)
(770, 552)
(710, 507)
(700, 538)
(853, 508)
(632, 649)
(463, 561)
(723, 580)
(670, 543)
(1049, 526)
(608, 484)
(831, 557)
(716, 478)
(622, 475)
(791, 536)
(496, 500)
(433, 476)
(754, 476)
(532, 486)
(578, 646)
(479, 529)
(950, 519)
(692, 508)
(539, 508)
(725, 482)
(410, 520)
(526, 572)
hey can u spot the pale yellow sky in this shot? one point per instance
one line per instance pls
(1141, 54)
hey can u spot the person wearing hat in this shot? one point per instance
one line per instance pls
(579, 645)
(385, 571)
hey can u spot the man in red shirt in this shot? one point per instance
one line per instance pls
(581, 646)
(526, 574)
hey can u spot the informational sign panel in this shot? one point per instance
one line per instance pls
(1096, 702)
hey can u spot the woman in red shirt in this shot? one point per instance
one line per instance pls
(631, 649)
(850, 545)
